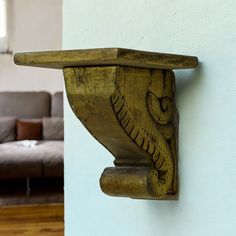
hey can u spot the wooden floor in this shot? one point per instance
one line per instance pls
(32, 220)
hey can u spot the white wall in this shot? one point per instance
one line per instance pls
(206, 102)
(34, 25)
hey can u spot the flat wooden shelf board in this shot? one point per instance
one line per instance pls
(105, 56)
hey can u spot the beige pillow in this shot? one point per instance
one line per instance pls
(53, 128)
(7, 129)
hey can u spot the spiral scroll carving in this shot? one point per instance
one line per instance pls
(155, 144)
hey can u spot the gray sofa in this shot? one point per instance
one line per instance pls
(43, 160)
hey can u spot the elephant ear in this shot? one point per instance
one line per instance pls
(160, 109)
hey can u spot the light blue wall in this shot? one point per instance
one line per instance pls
(206, 102)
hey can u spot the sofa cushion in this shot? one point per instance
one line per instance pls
(26, 130)
(53, 128)
(7, 129)
(57, 104)
(53, 164)
(25, 104)
(43, 160)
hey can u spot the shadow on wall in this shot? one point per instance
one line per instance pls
(187, 81)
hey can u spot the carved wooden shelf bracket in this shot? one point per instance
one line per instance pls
(126, 100)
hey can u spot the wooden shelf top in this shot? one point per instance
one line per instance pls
(105, 56)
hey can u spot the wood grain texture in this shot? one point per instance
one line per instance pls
(105, 56)
(132, 112)
(34, 220)
(126, 100)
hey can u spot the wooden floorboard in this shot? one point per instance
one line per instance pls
(32, 220)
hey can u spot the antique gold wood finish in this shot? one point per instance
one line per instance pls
(126, 100)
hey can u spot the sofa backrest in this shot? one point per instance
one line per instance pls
(25, 104)
(57, 104)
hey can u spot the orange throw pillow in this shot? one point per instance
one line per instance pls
(26, 130)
